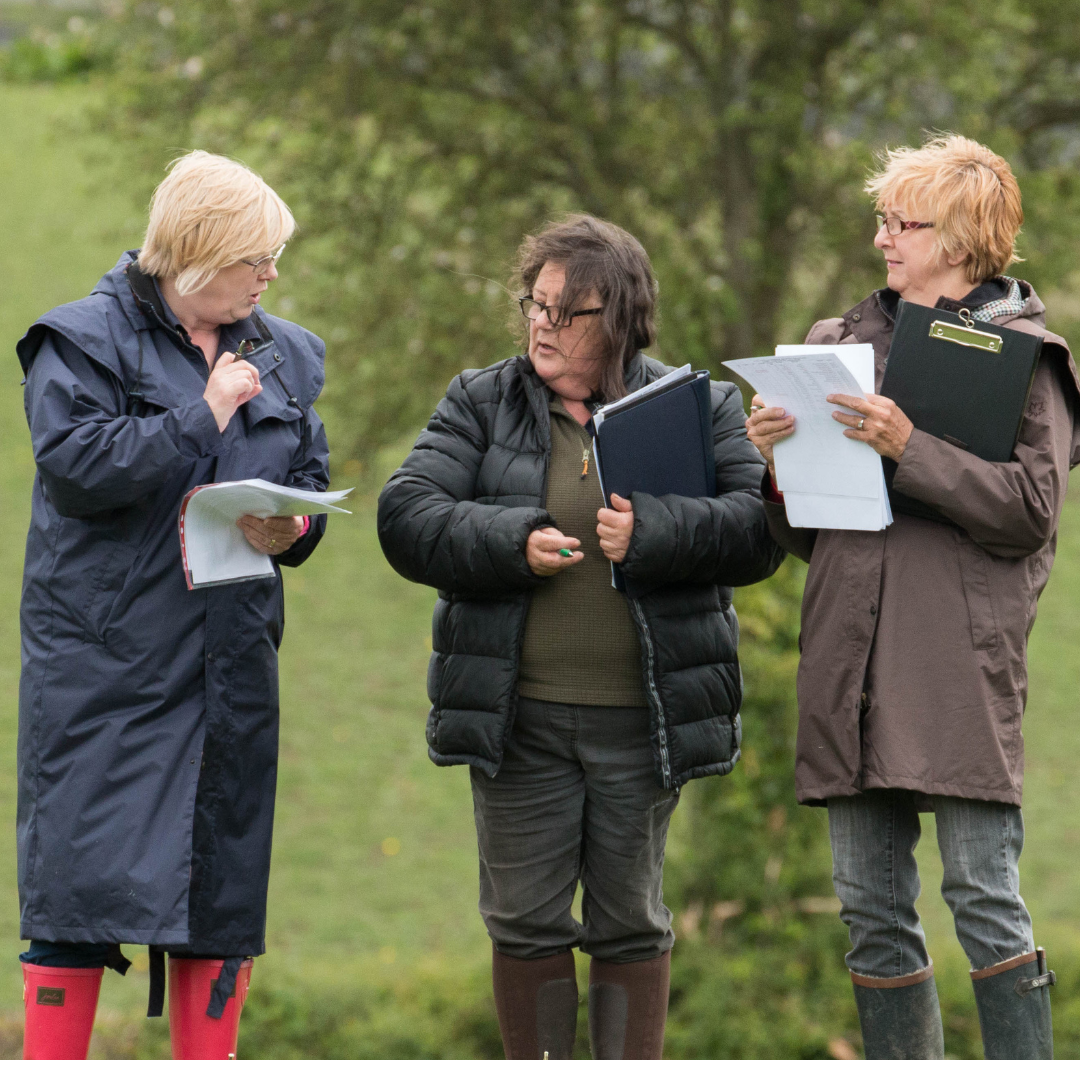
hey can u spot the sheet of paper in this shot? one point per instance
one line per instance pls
(678, 375)
(818, 458)
(858, 358)
(215, 549)
(808, 511)
(805, 510)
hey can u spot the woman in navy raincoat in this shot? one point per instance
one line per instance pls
(148, 719)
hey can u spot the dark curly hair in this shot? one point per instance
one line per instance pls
(598, 255)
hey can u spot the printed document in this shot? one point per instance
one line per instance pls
(214, 547)
(828, 480)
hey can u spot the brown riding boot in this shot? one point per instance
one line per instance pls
(628, 1008)
(537, 1003)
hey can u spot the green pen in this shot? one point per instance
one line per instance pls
(565, 552)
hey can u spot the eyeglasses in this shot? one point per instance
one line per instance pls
(895, 226)
(261, 265)
(531, 309)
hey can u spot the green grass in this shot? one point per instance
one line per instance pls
(395, 937)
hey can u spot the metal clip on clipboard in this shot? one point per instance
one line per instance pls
(966, 334)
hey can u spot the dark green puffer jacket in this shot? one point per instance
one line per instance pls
(457, 515)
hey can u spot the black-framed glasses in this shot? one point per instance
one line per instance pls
(531, 309)
(260, 265)
(894, 226)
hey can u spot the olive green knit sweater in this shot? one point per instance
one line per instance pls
(581, 646)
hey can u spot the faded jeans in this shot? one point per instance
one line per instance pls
(576, 799)
(877, 880)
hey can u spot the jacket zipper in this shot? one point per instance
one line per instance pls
(665, 764)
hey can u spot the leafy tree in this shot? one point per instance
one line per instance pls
(419, 141)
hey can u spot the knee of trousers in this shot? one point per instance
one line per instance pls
(526, 927)
(532, 935)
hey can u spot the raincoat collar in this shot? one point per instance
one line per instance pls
(155, 311)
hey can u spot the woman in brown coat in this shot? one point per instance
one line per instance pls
(912, 681)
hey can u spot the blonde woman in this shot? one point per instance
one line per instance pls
(149, 713)
(913, 676)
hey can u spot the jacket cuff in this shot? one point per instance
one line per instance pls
(915, 465)
(651, 543)
(507, 541)
(195, 431)
(769, 491)
(305, 543)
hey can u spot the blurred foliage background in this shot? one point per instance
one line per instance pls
(416, 144)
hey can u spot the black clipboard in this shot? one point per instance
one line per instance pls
(961, 380)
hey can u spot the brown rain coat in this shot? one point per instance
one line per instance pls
(913, 671)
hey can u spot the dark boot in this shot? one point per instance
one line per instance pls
(900, 1018)
(1013, 998)
(537, 1003)
(628, 1008)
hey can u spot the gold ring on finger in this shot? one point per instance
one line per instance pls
(862, 423)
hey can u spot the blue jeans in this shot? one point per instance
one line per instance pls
(877, 879)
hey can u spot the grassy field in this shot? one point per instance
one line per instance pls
(373, 887)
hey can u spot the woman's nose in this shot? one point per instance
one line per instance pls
(270, 274)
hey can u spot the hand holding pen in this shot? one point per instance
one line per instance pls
(547, 551)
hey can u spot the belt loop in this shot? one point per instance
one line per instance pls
(156, 1003)
(117, 960)
(224, 986)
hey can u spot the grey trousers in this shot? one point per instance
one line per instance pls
(576, 799)
(877, 879)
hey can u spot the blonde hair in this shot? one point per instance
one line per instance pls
(967, 190)
(208, 213)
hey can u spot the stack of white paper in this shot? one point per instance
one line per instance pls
(214, 547)
(829, 481)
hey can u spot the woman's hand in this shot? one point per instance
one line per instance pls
(271, 536)
(881, 423)
(232, 383)
(766, 427)
(615, 528)
(542, 551)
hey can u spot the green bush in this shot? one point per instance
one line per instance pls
(54, 58)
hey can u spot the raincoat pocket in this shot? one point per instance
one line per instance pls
(975, 574)
(106, 582)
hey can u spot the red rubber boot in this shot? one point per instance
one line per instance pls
(194, 1035)
(60, 1006)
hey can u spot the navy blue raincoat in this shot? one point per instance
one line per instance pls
(148, 714)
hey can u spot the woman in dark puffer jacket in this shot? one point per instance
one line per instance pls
(580, 712)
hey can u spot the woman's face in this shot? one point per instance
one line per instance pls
(913, 258)
(231, 293)
(569, 358)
